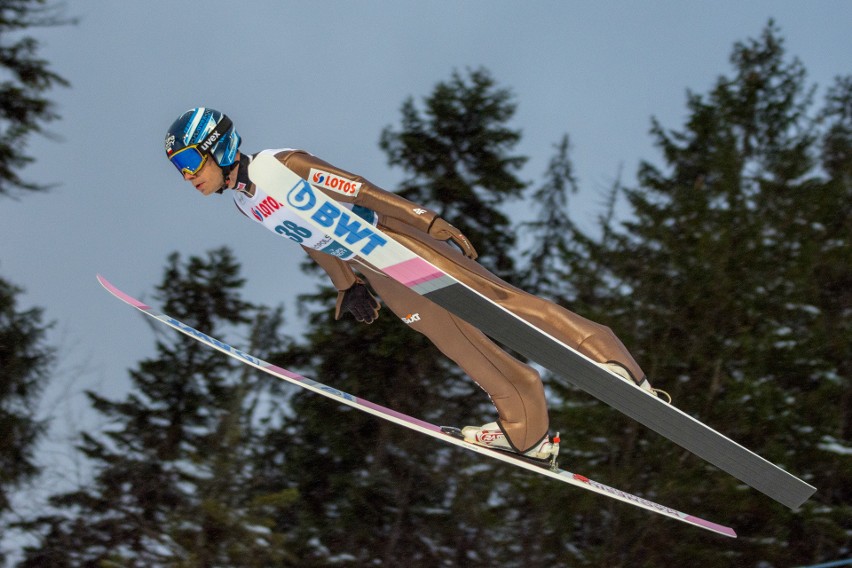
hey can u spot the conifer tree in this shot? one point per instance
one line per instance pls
(553, 229)
(726, 282)
(24, 362)
(23, 108)
(24, 355)
(173, 473)
(369, 491)
(456, 152)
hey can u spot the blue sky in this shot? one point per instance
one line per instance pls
(326, 76)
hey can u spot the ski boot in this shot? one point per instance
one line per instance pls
(491, 436)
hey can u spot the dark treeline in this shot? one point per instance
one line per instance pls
(25, 354)
(726, 269)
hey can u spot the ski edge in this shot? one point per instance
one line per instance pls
(410, 422)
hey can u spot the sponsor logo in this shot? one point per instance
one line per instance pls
(419, 211)
(170, 143)
(335, 249)
(324, 242)
(337, 393)
(339, 252)
(328, 180)
(207, 144)
(211, 341)
(353, 230)
(627, 496)
(411, 318)
(489, 436)
(265, 208)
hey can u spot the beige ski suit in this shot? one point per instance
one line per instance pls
(514, 387)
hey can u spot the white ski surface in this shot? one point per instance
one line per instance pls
(321, 213)
(410, 422)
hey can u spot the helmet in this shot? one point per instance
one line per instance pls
(196, 127)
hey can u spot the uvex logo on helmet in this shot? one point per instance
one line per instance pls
(220, 130)
(208, 143)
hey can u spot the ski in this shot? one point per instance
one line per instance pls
(377, 249)
(449, 435)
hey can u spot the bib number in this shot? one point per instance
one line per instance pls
(293, 231)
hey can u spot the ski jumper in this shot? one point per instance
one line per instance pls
(515, 388)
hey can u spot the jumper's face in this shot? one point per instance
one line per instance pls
(208, 179)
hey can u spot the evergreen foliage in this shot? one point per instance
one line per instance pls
(456, 152)
(24, 363)
(729, 278)
(729, 281)
(25, 357)
(173, 474)
(553, 229)
(371, 492)
(23, 108)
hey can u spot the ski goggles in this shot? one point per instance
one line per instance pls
(191, 159)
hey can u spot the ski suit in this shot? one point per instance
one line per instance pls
(515, 388)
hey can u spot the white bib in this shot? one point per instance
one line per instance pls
(277, 217)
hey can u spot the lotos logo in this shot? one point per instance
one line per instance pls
(411, 318)
(265, 208)
(326, 213)
(328, 180)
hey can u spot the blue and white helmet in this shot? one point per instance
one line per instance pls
(195, 126)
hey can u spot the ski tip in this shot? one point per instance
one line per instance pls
(106, 283)
(121, 295)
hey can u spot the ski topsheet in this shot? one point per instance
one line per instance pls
(410, 422)
(320, 212)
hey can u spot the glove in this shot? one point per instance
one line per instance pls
(358, 301)
(443, 231)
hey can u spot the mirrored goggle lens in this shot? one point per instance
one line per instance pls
(188, 160)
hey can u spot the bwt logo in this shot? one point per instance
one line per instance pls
(303, 197)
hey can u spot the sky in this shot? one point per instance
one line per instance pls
(325, 76)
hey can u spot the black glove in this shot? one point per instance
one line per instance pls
(358, 301)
